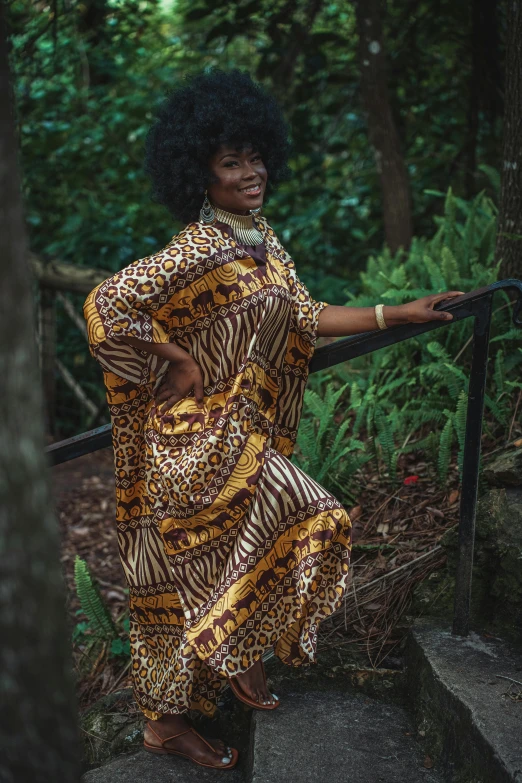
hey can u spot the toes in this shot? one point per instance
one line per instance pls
(223, 752)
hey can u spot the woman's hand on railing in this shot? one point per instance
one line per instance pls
(339, 321)
(177, 383)
(421, 310)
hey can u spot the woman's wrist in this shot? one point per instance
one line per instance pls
(394, 315)
(170, 351)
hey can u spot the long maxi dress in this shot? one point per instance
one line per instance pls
(227, 547)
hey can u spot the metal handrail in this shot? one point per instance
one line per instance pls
(476, 304)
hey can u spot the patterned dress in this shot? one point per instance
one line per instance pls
(227, 547)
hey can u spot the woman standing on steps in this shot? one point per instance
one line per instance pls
(228, 548)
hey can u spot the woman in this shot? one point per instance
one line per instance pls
(227, 547)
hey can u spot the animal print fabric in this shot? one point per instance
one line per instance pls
(227, 547)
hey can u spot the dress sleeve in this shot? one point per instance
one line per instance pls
(305, 308)
(132, 303)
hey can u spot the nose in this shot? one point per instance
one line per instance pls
(249, 171)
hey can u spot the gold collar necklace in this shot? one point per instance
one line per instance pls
(244, 227)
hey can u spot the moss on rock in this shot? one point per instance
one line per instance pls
(496, 604)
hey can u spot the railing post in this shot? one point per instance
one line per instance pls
(470, 469)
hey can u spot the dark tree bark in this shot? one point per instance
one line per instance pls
(475, 84)
(294, 45)
(38, 728)
(382, 130)
(485, 81)
(509, 246)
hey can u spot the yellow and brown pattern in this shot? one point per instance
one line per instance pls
(227, 547)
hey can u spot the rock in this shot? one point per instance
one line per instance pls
(496, 599)
(143, 767)
(505, 470)
(109, 730)
(468, 717)
(112, 735)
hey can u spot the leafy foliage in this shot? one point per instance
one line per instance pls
(98, 616)
(90, 73)
(413, 395)
(99, 623)
(323, 445)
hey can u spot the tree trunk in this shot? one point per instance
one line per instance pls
(38, 727)
(475, 83)
(382, 131)
(47, 331)
(509, 239)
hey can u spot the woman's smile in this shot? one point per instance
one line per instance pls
(253, 190)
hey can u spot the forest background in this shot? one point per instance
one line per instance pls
(406, 181)
(378, 140)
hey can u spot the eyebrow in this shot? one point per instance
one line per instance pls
(236, 155)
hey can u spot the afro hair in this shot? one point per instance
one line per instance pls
(211, 109)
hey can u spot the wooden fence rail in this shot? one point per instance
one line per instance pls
(55, 279)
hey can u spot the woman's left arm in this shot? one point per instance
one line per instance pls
(339, 321)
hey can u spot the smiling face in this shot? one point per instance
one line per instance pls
(238, 179)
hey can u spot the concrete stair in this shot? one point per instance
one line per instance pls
(319, 736)
(453, 721)
(312, 736)
(469, 716)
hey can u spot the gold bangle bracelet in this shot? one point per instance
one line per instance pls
(381, 323)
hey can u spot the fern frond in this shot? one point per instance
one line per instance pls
(445, 442)
(436, 279)
(460, 425)
(386, 440)
(499, 375)
(92, 603)
(511, 334)
(449, 268)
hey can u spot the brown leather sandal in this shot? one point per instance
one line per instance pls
(161, 751)
(238, 691)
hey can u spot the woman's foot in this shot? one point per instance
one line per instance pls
(189, 743)
(253, 683)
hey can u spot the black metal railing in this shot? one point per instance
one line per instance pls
(476, 304)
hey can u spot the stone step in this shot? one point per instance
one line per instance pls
(327, 735)
(468, 720)
(143, 767)
(323, 736)
(470, 717)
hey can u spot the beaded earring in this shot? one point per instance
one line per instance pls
(207, 214)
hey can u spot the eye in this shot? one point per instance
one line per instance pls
(230, 163)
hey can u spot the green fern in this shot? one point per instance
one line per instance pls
(413, 395)
(449, 267)
(450, 214)
(445, 443)
(100, 620)
(386, 440)
(499, 374)
(324, 450)
(459, 421)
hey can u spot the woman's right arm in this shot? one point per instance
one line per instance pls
(183, 373)
(169, 351)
